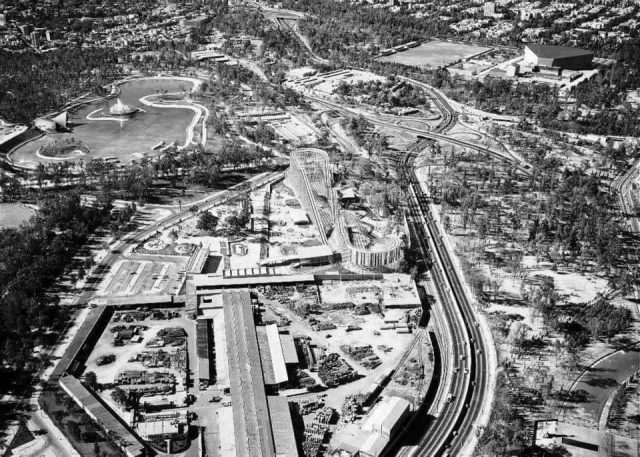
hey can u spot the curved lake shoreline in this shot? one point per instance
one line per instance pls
(124, 139)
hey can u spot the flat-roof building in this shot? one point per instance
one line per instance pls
(565, 57)
(387, 415)
(83, 342)
(299, 216)
(289, 349)
(204, 340)
(130, 444)
(282, 427)
(581, 441)
(207, 283)
(165, 426)
(273, 362)
(380, 426)
(304, 256)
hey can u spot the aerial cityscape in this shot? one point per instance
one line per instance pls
(329, 228)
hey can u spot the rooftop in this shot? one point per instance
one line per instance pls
(282, 427)
(386, 413)
(583, 441)
(227, 432)
(68, 361)
(151, 428)
(546, 51)
(102, 415)
(288, 348)
(273, 362)
(250, 411)
(204, 282)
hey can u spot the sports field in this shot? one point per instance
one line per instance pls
(433, 54)
(12, 215)
(124, 140)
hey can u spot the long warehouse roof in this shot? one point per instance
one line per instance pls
(94, 317)
(94, 407)
(273, 364)
(250, 411)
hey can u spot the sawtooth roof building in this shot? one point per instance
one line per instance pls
(564, 57)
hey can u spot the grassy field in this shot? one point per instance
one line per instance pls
(433, 54)
(12, 215)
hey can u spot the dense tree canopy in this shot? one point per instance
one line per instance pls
(32, 257)
(32, 84)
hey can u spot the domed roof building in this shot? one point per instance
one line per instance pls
(120, 109)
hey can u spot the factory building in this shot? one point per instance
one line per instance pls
(130, 444)
(258, 425)
(387, 416)
(204, 339)
(85, 338)
(542, 55)
(380, 427)
(274, 366)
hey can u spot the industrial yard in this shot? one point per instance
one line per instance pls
(328, 326)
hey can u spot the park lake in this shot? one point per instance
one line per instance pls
(124, 140)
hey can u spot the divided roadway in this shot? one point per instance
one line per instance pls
(455, 425)
(456, 422)
(504, 156)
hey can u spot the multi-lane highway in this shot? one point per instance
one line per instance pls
(623, 185)
(501, 155)
(453, 429)
(449, 115)
(449, 431)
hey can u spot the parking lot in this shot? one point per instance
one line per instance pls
(132, 277)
